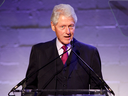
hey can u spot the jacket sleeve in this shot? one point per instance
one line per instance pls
(31, 75)
(95, 82)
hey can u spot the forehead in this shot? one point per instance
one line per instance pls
(65, 20)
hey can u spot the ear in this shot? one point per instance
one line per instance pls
(52, 26)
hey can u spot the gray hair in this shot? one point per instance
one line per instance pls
(63, 9)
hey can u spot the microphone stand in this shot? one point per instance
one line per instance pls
(23, 81)
(103, 82)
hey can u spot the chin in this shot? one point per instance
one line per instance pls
(66, 42)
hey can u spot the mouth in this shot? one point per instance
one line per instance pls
(67, 36)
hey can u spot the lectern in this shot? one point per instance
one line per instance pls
(60, 92)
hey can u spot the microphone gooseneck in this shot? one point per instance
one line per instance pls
(23, 81)
(15, 87)
(100, 79)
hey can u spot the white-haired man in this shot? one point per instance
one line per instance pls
(72, 73)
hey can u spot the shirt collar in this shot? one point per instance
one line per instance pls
(59, 45)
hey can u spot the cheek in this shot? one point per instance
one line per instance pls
(72, 32)
(59, 33)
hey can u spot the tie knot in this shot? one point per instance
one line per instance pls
(64, 48)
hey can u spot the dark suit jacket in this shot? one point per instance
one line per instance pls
(55, 75)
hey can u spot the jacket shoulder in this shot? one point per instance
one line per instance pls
(84, 46)
(44, 45)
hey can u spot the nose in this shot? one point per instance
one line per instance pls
(67, 30)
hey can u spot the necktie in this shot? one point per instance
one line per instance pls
(65, 55)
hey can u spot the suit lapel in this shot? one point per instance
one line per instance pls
(72, 59)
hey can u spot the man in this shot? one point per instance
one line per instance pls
(73, 73)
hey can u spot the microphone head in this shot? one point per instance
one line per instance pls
(72, 45)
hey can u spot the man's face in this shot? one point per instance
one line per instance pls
(64, 29)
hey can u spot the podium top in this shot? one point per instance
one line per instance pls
(81, 91)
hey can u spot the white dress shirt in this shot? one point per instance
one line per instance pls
(59, 47)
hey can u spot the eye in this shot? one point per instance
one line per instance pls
(62, 27)
(71, 26)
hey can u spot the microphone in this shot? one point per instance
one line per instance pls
(23, 81)
(100, 79)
